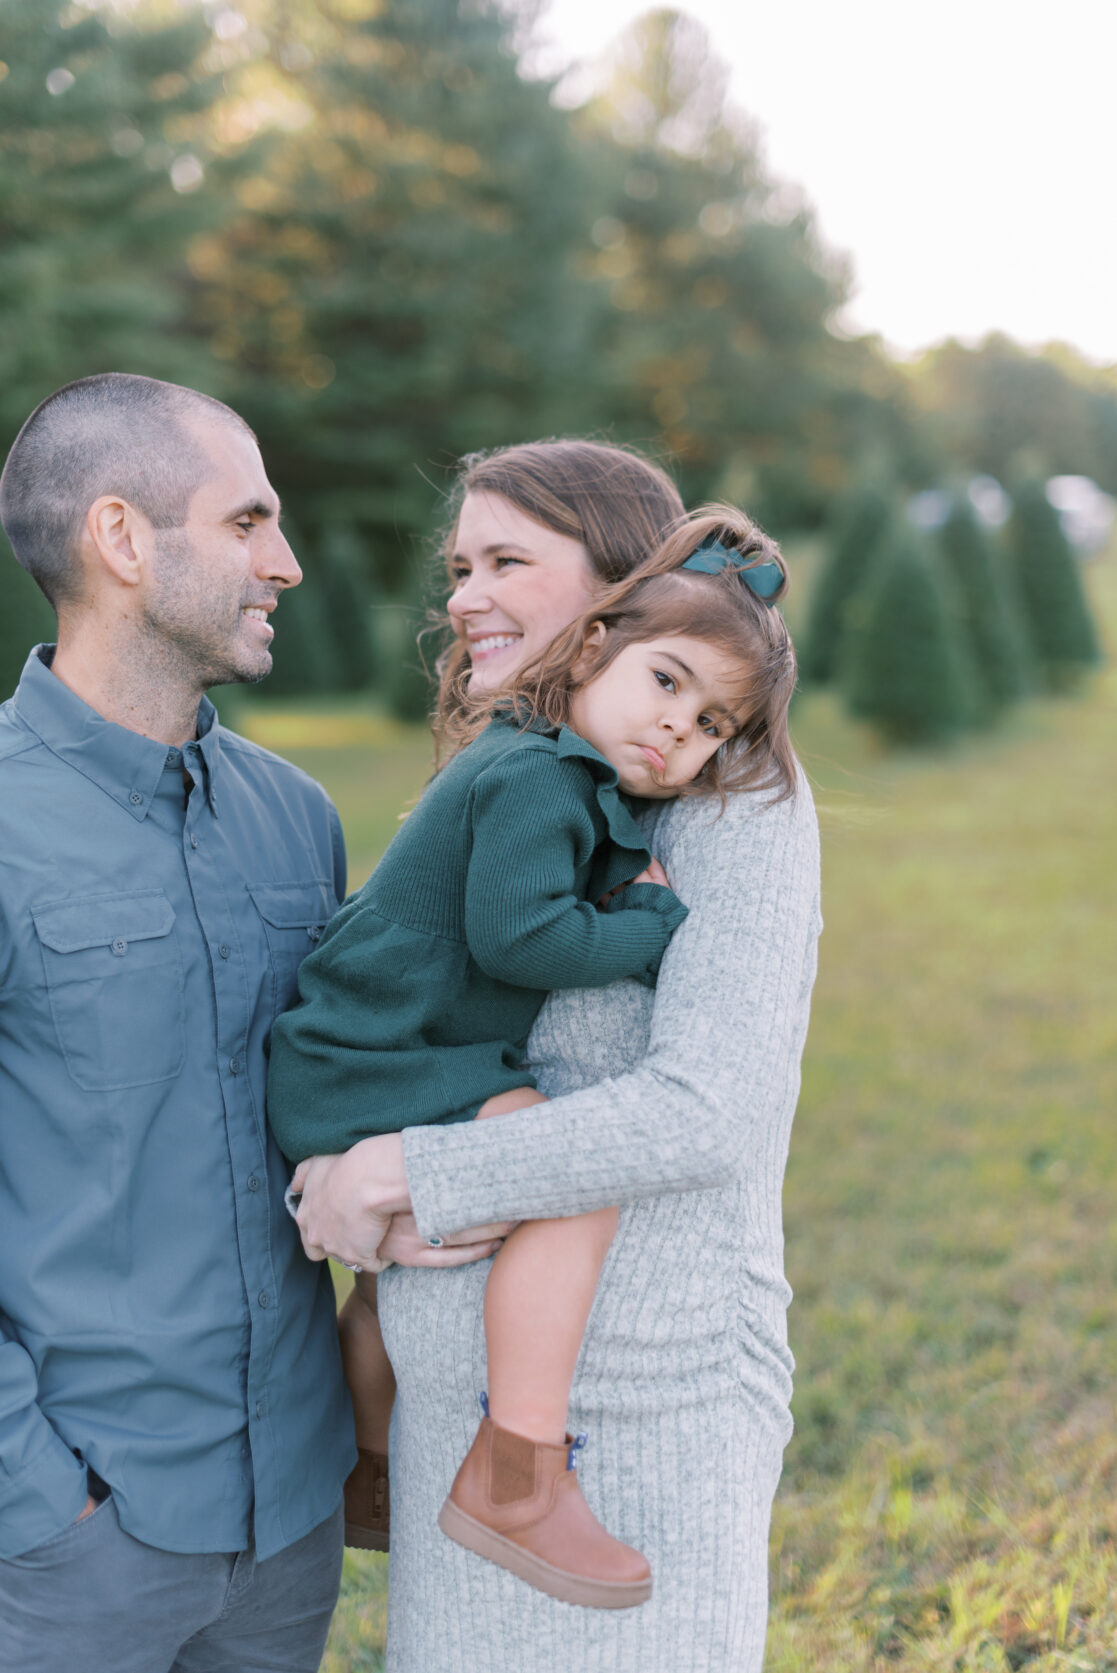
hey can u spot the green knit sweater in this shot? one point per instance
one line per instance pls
(418, 1000)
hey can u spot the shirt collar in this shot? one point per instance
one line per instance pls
(123, 764)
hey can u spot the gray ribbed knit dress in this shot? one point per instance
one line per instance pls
(681, 1113)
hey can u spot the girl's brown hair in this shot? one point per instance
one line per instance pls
(662, 599)
(612, 500)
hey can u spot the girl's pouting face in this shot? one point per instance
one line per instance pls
(660, 710)
(516, 585)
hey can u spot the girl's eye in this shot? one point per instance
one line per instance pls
(665, 680)
(712, 728)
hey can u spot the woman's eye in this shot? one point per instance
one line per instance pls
(665, 680)
(503, 562)
(458, 574)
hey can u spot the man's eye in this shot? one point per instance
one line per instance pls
(665, 680)
(246, 524)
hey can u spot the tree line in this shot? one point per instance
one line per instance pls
(363, 226)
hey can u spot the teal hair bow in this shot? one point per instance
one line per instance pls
(764, 579)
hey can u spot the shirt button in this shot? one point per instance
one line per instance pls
(314, 931)
(264, 1298)
(119, 946)
(173, 758)
(135, 798)
(253, 1182)
(234, 1065)
(223, 950)
(259, 1408)
(193, 840)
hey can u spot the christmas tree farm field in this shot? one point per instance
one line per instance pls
(948, 1500)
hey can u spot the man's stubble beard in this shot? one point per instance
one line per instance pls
(178, 624)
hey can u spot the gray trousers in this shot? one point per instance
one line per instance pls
(95, 1599)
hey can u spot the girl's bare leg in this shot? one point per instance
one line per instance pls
(537, 1302)
(368, 1370)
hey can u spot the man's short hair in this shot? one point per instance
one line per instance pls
(115, 433)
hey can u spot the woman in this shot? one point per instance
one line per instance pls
(676, 1104)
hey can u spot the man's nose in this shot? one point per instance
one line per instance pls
(278, 562)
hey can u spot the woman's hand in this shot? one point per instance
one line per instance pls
(348, 1201)
(404, 1245)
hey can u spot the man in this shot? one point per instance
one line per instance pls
(174, 1429)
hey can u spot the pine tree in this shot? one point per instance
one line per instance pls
(860, 524)
(905, 668)
(990, 617)
(100, 194)
(410, 267)
(1056, 610)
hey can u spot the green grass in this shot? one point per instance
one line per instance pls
(948, 1501)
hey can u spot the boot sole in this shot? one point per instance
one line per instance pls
(365, 1539)
(556, 1582)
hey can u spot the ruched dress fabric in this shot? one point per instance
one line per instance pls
(677, 1105)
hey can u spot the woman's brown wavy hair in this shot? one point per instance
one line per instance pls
(661, 599)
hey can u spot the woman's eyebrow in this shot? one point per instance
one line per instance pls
(490, 551)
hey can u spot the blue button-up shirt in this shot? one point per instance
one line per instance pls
(158, 1320)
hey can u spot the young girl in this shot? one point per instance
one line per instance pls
(522, 870)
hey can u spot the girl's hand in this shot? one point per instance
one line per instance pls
(653, 872)
(404, 1245)
(348, 1201)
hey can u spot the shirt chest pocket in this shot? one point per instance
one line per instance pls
(294, 916)
(114, 975)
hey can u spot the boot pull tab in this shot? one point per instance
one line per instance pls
(575, 1448)
(484, 1403)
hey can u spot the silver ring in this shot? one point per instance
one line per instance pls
(347, 1265)
(434, 1242)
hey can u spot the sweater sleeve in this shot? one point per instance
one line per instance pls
(723, 1059)
(524, 921)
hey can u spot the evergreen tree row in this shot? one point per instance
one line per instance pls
(930, 634)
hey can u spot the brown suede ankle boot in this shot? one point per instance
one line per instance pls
(367, 1503)
(519, 1503)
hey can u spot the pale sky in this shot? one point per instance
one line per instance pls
(963, 153)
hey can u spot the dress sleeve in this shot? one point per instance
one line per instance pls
(524, 921)
(723, 1059)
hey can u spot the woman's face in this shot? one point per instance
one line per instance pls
(516, 585)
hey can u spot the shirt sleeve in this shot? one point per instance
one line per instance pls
(524, 921)
(42, 1484)
(723, 1060)
(337, 845)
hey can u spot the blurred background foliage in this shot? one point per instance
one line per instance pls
(361, 225)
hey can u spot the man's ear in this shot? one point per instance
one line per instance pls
(118, 537)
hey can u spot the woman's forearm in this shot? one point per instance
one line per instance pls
(723, 1060)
